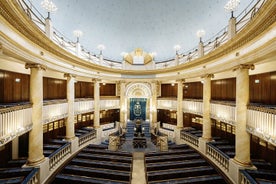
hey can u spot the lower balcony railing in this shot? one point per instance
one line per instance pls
(59, 155)
(246, 178)
(87, 137)
(186, 136)
(221, 158)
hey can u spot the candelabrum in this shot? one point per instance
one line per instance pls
(49, 6)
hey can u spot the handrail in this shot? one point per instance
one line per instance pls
(246, 178)
(32, 177)
(59, 154)
(194, 140)
(87, 137)
(218, 155)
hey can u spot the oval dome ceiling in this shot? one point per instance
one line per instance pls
(153, 25)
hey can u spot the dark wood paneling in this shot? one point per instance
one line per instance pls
(108, 116)
(84, 90)
(262, 88)
(5, 154)
(108, 90)
(223, 89)
(54, 88)
(166, 116)
(193, 90)
(167, 90)
(13, 90)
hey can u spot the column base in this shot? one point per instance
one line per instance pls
(202, 144)
(35, 163)
(70, 138)
(234, 170)
(44, 169)
(243, 164)
(177, 135)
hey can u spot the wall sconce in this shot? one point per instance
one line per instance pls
(17, 80)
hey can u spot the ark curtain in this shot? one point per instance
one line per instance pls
(138, 108)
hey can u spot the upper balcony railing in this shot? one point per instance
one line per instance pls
(211, 44)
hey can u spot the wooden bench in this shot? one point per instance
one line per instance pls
(96, 146)
(17, 163)
(107, 152)
(113, 158)
(102, 164)
(205, 179)
(14, 172)
(12, 180)
(180, 146)
(175, 152)
(170, 158)
(98, 172)
(73, 179)
(175, 164)
(139, 142)
(180, 173)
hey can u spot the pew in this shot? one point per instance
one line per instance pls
(12, 180)
(101, 164)
(206, 179)
(180, 173)
(107, 152)
(73, 179)
(175, 152)
(113, 158)
(171, 158)
(98, 172)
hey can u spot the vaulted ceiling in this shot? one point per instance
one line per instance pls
(153, 25)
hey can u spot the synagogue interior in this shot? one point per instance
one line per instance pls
(140, 107)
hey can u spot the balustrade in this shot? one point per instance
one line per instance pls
(193, 106)
(14, 121)
(33, 177)
(82, 106)
(52, 112)
(87, 137)
(167, 104)
(59, 155)
(246, 178)
(109, 104)
(189, 138)
(261, 121)
(221, 158)
(224, 112)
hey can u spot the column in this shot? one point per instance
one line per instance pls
(49, 28)
(70, 125)
(36, 98)
(206, 134)
(242, 99)
(122, 88)
(200, 49)
(96, 103)
(231, 28)
(154, 103)
(15, 148)
(179, 104)
(176, 59)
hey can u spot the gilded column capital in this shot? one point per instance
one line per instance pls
(96, 80)
(208, 76)
(69, 75)
(181, 81)
(244, 66)
(35, 65)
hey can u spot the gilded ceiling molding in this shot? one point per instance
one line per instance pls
(69, 75)
(35, 65)
(96, 80)
(207, 76)
(244, 66)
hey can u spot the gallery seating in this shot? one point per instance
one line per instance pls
(96, 164)
(181, 164)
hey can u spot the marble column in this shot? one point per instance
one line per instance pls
(70, 125)
(179, 104)
(122, 102)
(231, 28)
(176, 59)
(96, 103)
(36, 98)
(49, 28)
(154, 103)
(206, 128)
(15, 148)
(200, 49)
(242, 99)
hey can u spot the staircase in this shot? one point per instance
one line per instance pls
(130, 130)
